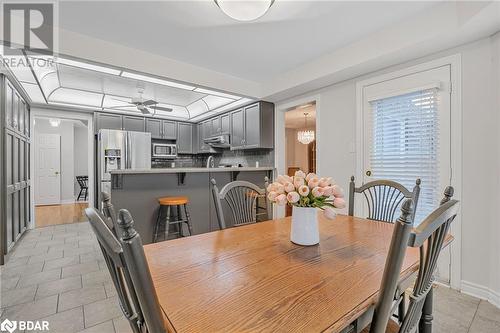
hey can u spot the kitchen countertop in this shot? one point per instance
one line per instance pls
(186, 170)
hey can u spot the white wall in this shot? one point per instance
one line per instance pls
(65, 130)
(296, 152)
(480, 156)
(80, 154)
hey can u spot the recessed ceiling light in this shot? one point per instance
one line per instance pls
(158, 81)
(216, 93)
(85, 65)
(244, 10)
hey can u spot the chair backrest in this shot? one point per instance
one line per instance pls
(129, 272)
(383, 198)
(82, 181)
(241, 198)
(108, 210)
(429, 237)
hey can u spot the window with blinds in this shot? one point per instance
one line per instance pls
(405, 144)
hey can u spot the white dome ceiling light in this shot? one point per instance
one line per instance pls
(244, 10)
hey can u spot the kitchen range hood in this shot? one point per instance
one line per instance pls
(219, 141)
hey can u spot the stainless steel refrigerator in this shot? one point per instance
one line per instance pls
(117, 150)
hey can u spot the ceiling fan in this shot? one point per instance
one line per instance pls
(145, 106)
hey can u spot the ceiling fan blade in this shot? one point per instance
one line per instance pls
(143, 109)
(149, 102)
(161, 108)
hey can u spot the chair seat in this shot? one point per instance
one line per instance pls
(392, 327)
(173, 201)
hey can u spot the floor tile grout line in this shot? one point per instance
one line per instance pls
(474, 317)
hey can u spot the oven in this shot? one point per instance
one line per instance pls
(164, 151)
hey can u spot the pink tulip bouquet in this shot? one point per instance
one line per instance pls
(309, 190)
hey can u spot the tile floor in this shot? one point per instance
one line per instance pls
(57, 273)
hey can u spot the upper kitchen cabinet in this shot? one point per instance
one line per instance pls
(204, 131)
(153, 126)
(252, 127)
(131, 123)
(185, 138)
(169, 130)
(225, 123)
(108, 121)
(118, 122)
(215, 126)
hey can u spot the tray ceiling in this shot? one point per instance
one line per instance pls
(69, 82)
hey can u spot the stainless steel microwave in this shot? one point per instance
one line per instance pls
(164, 151)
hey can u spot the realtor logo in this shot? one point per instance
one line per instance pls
(28, 26)
(8, 326)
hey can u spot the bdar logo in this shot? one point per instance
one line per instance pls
(9, 326)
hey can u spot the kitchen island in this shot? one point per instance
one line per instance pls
(138, 191)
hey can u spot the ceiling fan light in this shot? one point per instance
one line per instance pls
(244, 10)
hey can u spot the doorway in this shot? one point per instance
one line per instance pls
(60, 167)
(300, 141)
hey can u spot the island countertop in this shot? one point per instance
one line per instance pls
(187, 170)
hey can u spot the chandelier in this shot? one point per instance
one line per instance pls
(305, 136)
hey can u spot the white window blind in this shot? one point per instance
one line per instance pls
(405, 144)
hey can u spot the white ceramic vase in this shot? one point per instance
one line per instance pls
(304, 226)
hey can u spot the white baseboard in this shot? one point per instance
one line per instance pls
(481, 292)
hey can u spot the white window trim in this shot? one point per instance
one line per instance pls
(455, 63)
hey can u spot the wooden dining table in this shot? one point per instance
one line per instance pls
(254, 279)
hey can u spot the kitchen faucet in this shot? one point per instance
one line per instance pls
(210, 162)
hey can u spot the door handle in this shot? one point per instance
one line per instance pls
(57, 172)
(368, 173)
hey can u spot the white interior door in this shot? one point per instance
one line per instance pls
(406, 135)
(47, 169)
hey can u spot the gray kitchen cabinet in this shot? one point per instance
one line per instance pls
(108, 121)
(153, 126)
(204, 131)
(169, 130)
(252, 127)
(185, 138)
(15, 111)
(215, 128)
(14, 167)
(9, 102)
(237, 129)
(225, 124)
(132, 123)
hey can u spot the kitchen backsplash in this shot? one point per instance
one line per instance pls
(227, 157)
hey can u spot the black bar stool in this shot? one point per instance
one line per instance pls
(173, 205)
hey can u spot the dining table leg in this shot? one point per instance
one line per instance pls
(425, 325)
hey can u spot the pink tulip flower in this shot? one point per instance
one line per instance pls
(304, 190)
(317, 192)
(311, 175)
(298, 182)
(300, 174)
(281, 200)
(282, 179)
(329, 213)
(289, 187)
(293, 197)
(313, 182)
(337, 191)
(339, 203)
(272, 196)
(324, 182)
(328, 191)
